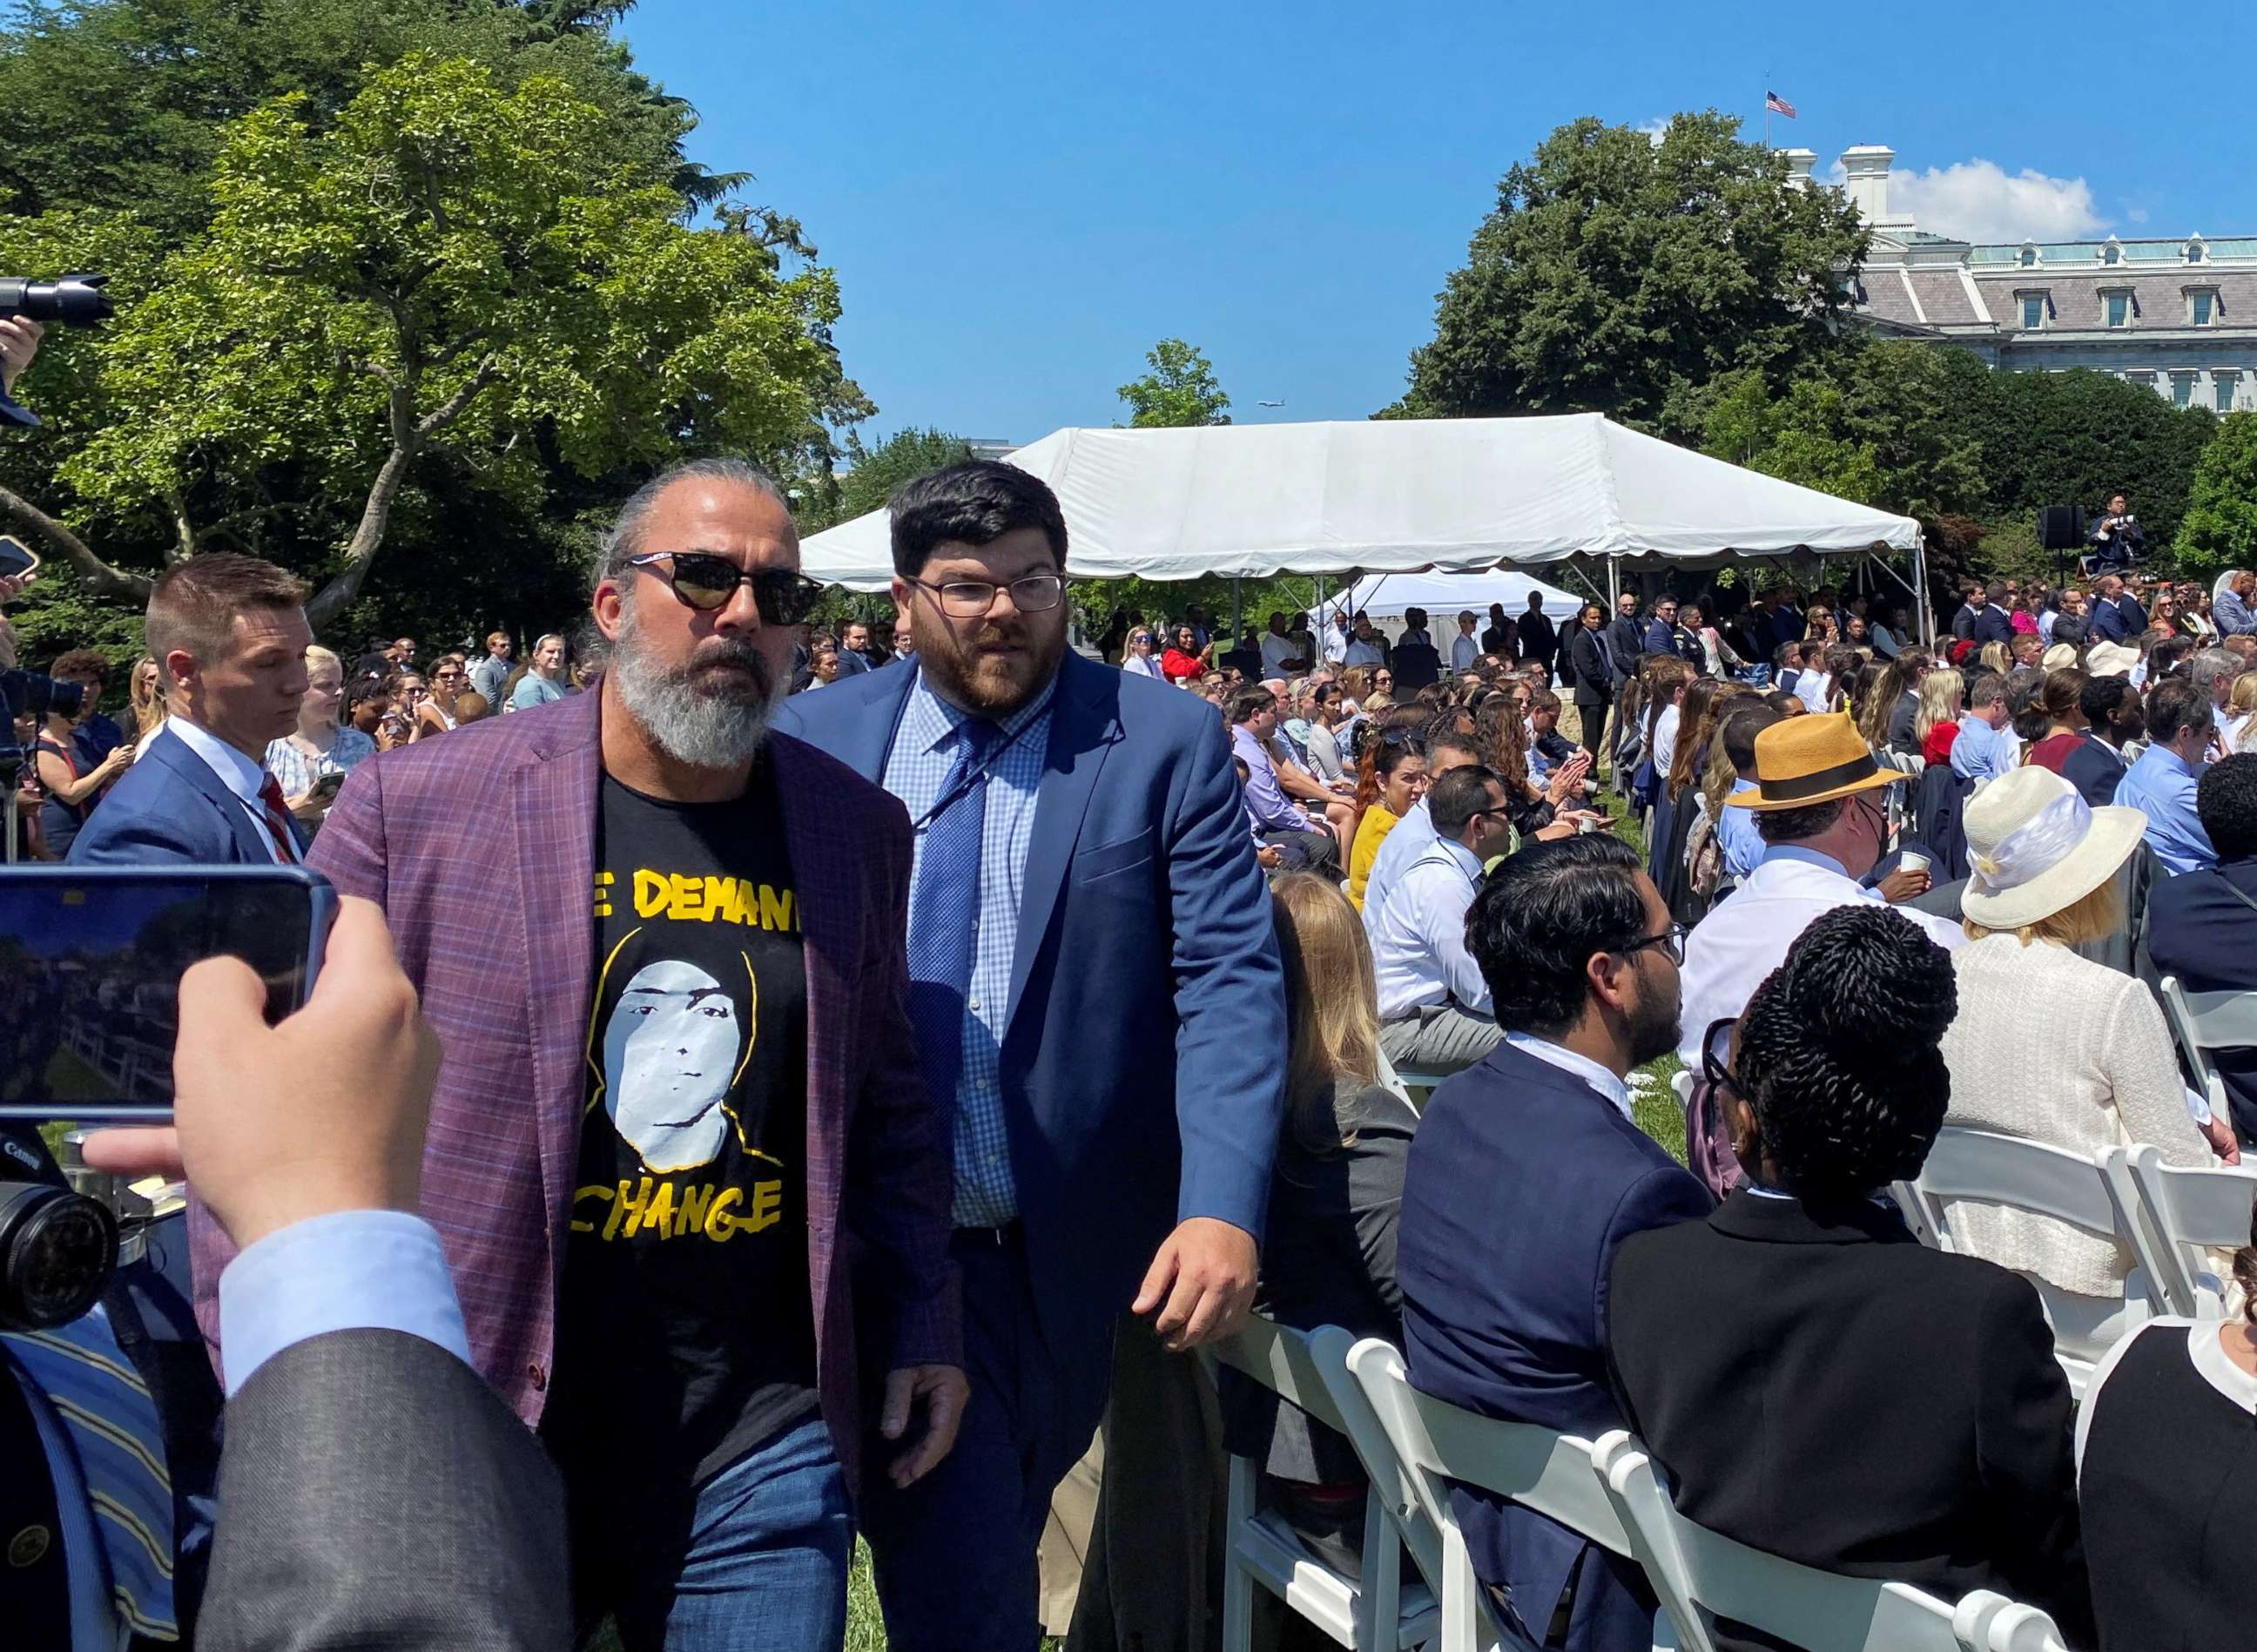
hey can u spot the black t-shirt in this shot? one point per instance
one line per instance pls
(686, 1333)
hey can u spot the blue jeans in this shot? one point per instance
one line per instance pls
(764, 1568)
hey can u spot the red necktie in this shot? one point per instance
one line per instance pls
(277, 821)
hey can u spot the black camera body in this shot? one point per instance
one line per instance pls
(67, 301)
(29, 694)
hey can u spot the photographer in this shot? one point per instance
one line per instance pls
(2117, 539)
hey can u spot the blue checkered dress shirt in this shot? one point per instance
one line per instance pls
(916, 767)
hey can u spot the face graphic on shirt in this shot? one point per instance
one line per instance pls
(670, 1053)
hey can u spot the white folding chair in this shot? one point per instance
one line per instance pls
(1988, 1168)
(1681, 1081)
(1700, 1575)
(1430, 1443)
(1417, 1088)
(2206, 1021)
(1372, 1613)
(2189, 1209)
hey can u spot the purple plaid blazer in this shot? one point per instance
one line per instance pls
(480, 847)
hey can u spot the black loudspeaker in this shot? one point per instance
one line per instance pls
(2061, 527)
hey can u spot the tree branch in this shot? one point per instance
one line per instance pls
(184, 531)
(452, 408)
(99, 577)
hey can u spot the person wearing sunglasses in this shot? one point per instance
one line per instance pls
(1434, 1011)
(543, 681)
(1086, 894)
(1525, 1177)
(660, 1136)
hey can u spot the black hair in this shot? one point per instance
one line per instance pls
(1469, 744)
(974, 504)
(1535, 921)
(2026, 702)
(1738, 730)
(2100, 696)
(2226, 801)
(1250, 702)
(2166, 655)
(2173, 705)
(1794, 825)
(1840, 1057)
(1454, 800)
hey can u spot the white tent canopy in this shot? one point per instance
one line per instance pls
(1398, 496)
(1446, 596)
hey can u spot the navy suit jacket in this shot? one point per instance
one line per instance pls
(171, 809)
(1523, 1182)
(851, 663)
(2122, 620)
(1992, 625)
(1144, 926)
(2199, 931)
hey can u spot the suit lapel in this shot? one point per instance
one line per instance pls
(554, 799)
(1085, 721)
(863, 743)
(250, 845)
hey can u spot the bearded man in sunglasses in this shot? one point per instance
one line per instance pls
(686, 1093)
(1086, 895)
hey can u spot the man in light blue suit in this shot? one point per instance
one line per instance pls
(228, 635)
(1084, 897)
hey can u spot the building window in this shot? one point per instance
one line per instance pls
(2181, 390)
(2194, 250)
(2145, 380)
(2112, 254)
(2029, 257)
(2116, 308)
(2222, 385)
(2033, 310)
(2202, 305)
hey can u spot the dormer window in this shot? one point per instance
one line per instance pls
(2202, 306)
(2117, 308)
(2195, 250)
(2035, 307)
(2029, 260)
(2112, 253)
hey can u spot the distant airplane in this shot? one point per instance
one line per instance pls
(1270, 404)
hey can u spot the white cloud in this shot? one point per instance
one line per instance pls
(1655, 130)
(1980, 200)
(2137, 215)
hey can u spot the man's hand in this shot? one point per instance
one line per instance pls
(14, 585)
(2222, 1141)
(1905, 883)
(1201, 1282)
(943, 1391)
(19, 342)
(1268, 857)
(322, 1113)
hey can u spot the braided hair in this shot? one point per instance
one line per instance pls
(1839, 1056)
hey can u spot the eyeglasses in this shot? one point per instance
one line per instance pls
(973, 598)
(452, 673)
(1712, 1066)
(707, 582)
(1671, 940)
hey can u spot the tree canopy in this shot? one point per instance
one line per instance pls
(1621, 275)
(2219, 528)
(1181, 389)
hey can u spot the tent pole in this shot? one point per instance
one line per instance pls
(1927, 615)
(1237, 619)
(1614, 583)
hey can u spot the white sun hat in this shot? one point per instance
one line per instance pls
(2035, 848)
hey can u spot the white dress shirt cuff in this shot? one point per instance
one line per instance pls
(355, 1269)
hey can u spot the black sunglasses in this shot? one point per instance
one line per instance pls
(705, 582)
(1671, 940)
(1712, 1065)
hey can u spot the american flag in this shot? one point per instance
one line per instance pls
(1779, 105)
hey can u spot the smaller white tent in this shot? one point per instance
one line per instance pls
(1446, 596)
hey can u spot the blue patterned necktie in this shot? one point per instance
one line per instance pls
(944, 936)
(112, 1423)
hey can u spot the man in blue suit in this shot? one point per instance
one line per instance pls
(1084, 895)
(228, 635)
(2117, 615)
(1527, 1176)
(2202, 926)
(854, 648)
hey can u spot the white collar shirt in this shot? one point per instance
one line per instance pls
(236, 772)
(1746, 937)
(1419, 936)
(1812, 688)
(1412, 836)
(1575, 1066)
(1276, 650)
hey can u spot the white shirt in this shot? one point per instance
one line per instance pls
(1418, 936)
(1665, 739)
(1141, 665)
(1336, 644)
(1576, 1066)
(236, 772)
(1362, 653)
(1412, 836)
(1464, 651)
(1812, 688)
(1743, 940)
(1276, 650)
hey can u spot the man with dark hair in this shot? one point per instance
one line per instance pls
(2162, 785)
(1991, 623)
(2114, 717)
(1538, 639)
(2118, 539)
(1253, 716)
(2202, 926)
(228, 635)
(1526, 1175)
(1086, 895)
(1415, 830)
(854, 648)
(1434, 1005)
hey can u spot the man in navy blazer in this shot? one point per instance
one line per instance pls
(1086, 895)
(1526, 1175)
(2202, 926)
(228, 635)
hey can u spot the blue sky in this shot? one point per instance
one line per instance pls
(1020, 199)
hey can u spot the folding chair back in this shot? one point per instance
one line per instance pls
(2189, 1210)
(1370, 1612)
(1701, 1576)
(2206, 1021)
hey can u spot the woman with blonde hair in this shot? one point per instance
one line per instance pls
(1942, 695)
(1993, 657)
(302, 760)
(2053, 1047)
(145, 693)
(2242, 712)
(1335, 1193)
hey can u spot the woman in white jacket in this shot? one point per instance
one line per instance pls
(2052, 1046)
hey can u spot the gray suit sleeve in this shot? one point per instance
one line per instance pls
(375, 1492)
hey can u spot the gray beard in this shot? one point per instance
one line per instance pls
(691, 724)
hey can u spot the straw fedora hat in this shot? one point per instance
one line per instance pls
(1806, 761)
(2110, 659)
(2059, 657)
(2035, 846)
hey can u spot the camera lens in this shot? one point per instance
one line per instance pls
(57, 1249)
